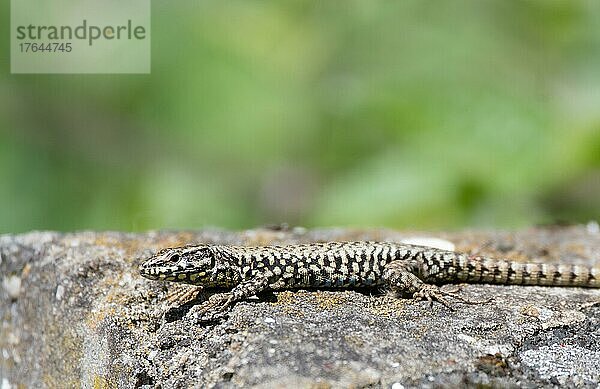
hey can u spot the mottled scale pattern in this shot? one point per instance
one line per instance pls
(406, 269)
(319, 265)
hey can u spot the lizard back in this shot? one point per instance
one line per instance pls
(362, 264)
(323, 265)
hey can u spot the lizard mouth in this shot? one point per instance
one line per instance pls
(148, 272)
(155, 273)
(165, 273)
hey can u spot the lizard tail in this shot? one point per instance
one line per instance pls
(509, 272)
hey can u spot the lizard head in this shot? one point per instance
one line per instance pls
(188, 264)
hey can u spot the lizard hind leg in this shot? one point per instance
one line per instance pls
(403, 280)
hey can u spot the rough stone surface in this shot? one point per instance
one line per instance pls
(76, 313)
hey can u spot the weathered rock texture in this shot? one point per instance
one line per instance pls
(76, 313)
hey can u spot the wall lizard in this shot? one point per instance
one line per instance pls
(415, 271)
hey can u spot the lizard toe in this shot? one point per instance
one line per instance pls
(433, 293)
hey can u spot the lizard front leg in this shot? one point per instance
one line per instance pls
(182, 294)
(218, 303)
(401, 278)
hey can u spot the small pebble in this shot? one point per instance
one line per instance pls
(12, 285)
(593, 227)
(60, 292)
(269, 320)
(429, 241)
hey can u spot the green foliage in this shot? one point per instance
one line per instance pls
(420, 114)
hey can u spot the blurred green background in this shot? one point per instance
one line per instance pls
(408, 114)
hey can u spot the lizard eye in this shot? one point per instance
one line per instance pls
(174, 258)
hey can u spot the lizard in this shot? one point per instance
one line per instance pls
(405, 269)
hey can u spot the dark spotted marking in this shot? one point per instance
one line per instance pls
(572, 276)
(510, 272)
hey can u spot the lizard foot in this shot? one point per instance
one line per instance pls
(213, 309)
(433, 293)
